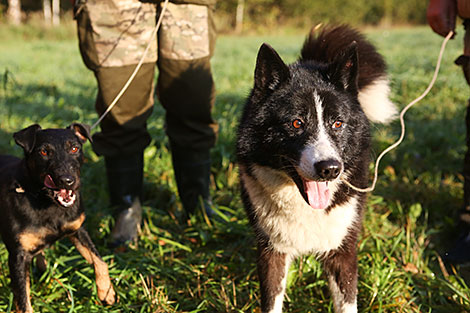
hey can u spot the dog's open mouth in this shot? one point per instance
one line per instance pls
(65, 197)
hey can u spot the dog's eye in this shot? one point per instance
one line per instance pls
(74, 150)
(44, 152)
(297, 123)
(337, 124)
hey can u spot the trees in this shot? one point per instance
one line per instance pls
(303, 13)
(14, 12)
(51, 12)
(55, 12)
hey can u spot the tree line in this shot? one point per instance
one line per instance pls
(18, 11)
(303, 13)
(253, 14)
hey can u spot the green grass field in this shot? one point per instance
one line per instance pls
(209, 266)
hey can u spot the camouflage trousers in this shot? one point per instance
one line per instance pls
(113, 35)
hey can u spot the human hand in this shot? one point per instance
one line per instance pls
(441, 15)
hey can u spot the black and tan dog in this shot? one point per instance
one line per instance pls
(40, 204)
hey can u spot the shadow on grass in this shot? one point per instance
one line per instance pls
(426, 169)
(442, 298)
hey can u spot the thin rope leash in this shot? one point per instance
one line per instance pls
(402, 120)
(137, 68)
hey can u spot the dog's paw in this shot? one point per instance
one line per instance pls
(107, 295)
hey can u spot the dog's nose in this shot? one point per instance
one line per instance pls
(68, 180)
(328, 169)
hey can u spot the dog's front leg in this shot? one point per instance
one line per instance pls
(341, 269)
(272, 272)
(87, 249)
(19, 263)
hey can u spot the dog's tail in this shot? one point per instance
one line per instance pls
(323, 46)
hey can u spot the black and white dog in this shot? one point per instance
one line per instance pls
(303, 132)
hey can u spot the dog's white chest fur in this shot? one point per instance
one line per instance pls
(291, 224)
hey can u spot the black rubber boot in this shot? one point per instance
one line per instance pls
(125, 178)
(192, 173)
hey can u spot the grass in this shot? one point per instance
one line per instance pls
(209, 266)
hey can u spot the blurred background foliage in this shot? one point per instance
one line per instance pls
(304, 13)
(262, 15)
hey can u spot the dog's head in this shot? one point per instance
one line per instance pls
(53, 159)
(305, 119)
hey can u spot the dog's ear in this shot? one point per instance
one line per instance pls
(344, 69)
(270, 71)
(26, 138)
(82, 131)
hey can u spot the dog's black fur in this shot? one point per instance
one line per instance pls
(40, 204)
(278, 138)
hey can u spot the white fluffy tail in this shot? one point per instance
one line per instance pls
(375, 102)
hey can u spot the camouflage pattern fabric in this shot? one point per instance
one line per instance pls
(184, 34)
(185, 86)
(122, 30)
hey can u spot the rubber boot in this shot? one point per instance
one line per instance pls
(192, 173)
(125, 178)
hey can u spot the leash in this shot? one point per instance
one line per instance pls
(402, 121)
(137, 68)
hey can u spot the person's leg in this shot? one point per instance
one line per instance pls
(460, 252)
(122, 141)
(186, 90)
(112, 39)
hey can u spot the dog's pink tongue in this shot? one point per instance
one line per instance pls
(318, 194)
(49, 183)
